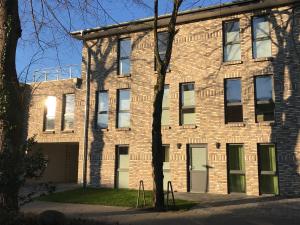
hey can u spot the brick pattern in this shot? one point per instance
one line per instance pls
(197, 57)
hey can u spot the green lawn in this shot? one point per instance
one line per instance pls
(110, 197)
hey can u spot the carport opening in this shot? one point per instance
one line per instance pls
(62, 166)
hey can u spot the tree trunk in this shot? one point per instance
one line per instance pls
(162, 65)
(11, 110)
(157, 154)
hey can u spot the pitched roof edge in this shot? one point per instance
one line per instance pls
(183, 17)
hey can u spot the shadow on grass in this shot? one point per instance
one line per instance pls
(110, 197)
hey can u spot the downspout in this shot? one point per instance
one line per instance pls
(86, 116)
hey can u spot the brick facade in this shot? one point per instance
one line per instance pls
(197, 57)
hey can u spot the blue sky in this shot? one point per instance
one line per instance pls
(57, 49)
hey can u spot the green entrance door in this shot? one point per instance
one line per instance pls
(123, 167)
(268, 178)
(236, 168)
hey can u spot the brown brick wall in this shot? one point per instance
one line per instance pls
(197, 57)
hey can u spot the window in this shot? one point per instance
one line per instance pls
(232, 45)
(165, 117)
(264, 104)
(187, 104)
(268, 178)
(162, 39)
(69, 107)
(124, 56)
(166, 156)
(261, 37)
(123, 108)
(102, 109)
(233, 101)
(50, 113)
(236, 168)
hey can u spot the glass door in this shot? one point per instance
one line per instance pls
(268, 178)
(236, 168)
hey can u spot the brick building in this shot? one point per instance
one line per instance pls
(230, 112)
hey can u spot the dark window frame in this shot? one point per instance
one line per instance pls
(97, 109)
(259, 165)
(226, 104)
(260, 102)
(122, 58)
(260, 39)
(64, 111)
(182, 107)
(231, 43)
(237, 172)
(118, 107)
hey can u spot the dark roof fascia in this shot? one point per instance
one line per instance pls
(183, 17)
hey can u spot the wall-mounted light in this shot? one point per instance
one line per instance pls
(218, 145)
(179, 145)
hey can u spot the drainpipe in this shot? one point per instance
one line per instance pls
(86, 117)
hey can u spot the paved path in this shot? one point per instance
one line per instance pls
(244, 211)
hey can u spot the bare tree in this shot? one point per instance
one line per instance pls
(42, 16)
(15, 164)
(45, 14)
(162, 66)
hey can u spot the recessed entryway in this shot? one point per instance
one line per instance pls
(62, 165)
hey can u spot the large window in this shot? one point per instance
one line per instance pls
(187, 104)
(165, 117)
(69, 107)
(124, 56)
(268, 178)
(261, 37)
(102, 111)
(50, 108)
(264, 104)
(233, 101)
(123, 119)
(232, 45)
(236, 168)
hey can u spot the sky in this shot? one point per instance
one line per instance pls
(45, 44)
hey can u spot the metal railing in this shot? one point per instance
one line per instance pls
(57, 73)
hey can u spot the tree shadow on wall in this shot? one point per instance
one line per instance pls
(286, 67)
(104, 77)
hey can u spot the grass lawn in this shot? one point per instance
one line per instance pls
(109, 197)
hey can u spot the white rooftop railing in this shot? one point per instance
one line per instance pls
(57, 73)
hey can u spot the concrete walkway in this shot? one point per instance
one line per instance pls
(239, 210)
